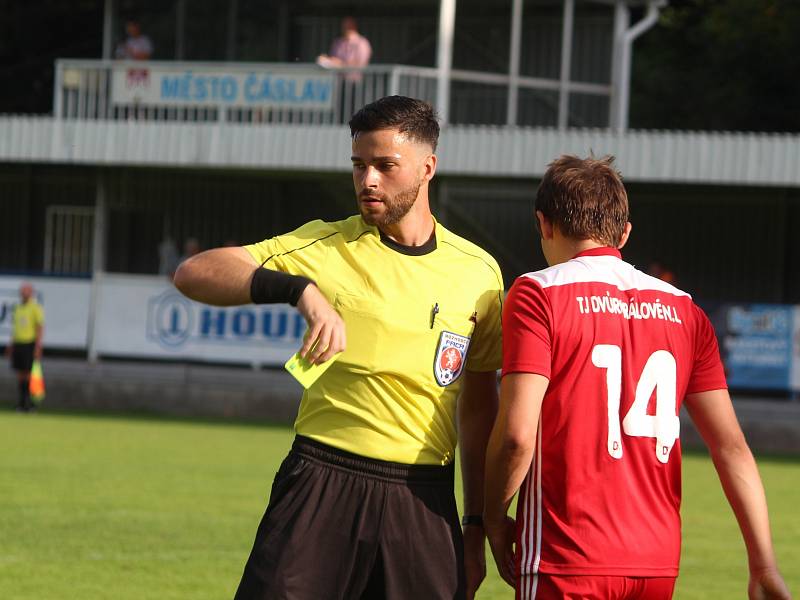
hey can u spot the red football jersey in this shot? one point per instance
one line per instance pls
(621, 350)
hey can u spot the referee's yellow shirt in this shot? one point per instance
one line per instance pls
(26, 319)
(414, 322)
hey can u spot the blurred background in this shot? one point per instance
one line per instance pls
(135, 133)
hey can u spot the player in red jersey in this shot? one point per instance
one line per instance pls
(597, 359)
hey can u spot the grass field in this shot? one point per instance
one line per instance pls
(140, 508)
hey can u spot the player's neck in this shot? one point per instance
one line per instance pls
(568, 248)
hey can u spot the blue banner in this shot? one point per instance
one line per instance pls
(756, 344)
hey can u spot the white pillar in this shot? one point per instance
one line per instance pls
(444, 57)
(513, 62)
(108, 28)
(623, 99)
(98, 260)
(566, 63)
(621, 23)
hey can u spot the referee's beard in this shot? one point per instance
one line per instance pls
(395, 208)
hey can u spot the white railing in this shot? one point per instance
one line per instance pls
(301, 93)
(228, 92)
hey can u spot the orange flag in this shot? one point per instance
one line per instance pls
(37, 383)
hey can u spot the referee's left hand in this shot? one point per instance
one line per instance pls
(474, 558)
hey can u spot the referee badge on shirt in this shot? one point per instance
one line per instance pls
(451, 354)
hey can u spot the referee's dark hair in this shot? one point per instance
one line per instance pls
(410, 116)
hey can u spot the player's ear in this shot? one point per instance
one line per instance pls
(545, 226)
(625, 235)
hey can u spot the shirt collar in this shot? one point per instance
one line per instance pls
(601, 251)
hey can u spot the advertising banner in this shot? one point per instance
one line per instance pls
(66, 309)
(154, 84)
(758, 345)
(145, 316)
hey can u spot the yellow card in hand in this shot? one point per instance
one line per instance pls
(305, 372)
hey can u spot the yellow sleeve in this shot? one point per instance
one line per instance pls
(486, 346)
(301, 252)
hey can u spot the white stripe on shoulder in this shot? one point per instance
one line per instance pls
(601, 269)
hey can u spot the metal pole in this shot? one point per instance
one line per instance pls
(621, 22)
(513, 62)
(283, 31)
(566, 63)
(394, 81)
(180, 28)
(233, 13)
(650, 19)
(444, 57)
(58, 90)
(108, 28)
(98, 262)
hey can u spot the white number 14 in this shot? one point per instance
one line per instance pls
(659, 373)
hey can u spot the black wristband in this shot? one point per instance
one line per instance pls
(273, 287)
(472, 520)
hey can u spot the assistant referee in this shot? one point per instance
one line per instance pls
(363, 506)
(26, 342)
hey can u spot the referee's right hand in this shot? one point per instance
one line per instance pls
(326, 333)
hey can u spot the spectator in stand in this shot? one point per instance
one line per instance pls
(350, 50)
(136, 46)
(353, 51)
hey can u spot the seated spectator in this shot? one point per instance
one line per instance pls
(350, 50)
(137, 46)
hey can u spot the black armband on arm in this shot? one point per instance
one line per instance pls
(274, 287)
(472, 520)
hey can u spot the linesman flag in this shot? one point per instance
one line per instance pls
(36, 385)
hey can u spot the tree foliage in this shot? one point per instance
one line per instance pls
(720, 65)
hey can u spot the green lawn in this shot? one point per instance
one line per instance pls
(137, 508)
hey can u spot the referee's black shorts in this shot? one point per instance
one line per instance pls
(22, 357)
(343, 527)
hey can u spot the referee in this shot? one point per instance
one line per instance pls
(26, 342)
(363, 506)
